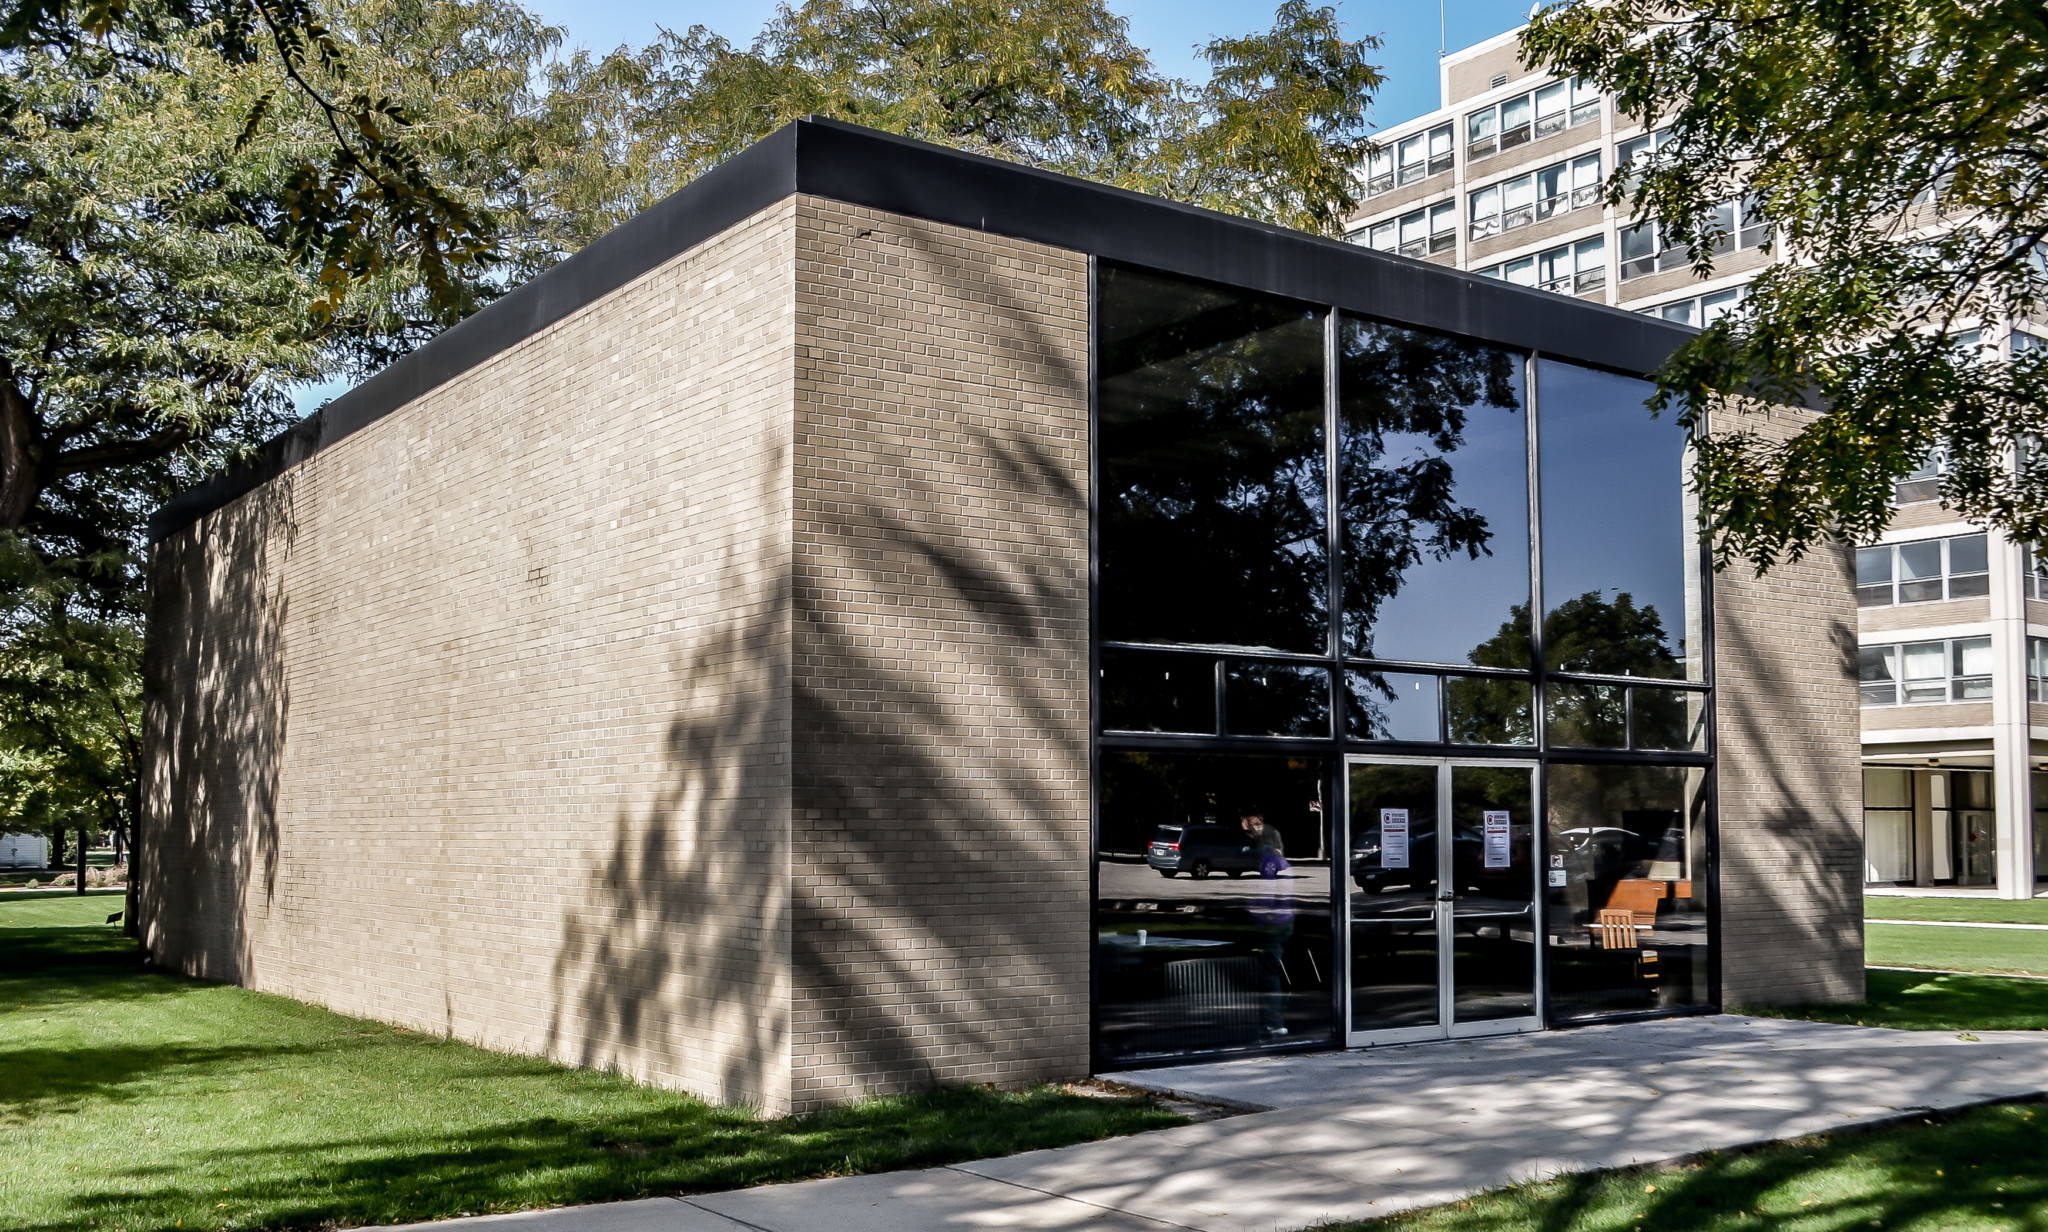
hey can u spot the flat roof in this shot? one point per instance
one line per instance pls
(860, 166)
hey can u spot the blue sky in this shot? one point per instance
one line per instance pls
(1169, 29)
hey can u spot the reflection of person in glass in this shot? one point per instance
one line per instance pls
(1272, 912)
(1265, 840)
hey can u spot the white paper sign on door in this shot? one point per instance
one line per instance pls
(1496, 838)
(1393, 838)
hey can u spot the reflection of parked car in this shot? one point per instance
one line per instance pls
(1604, 851)
(1201, 850)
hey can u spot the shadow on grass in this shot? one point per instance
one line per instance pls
(1981, 1169)
(43, 1082)
(692, 1147)
(1917, 1001)
(33, 951)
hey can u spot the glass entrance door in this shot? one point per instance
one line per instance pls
(1441, 890)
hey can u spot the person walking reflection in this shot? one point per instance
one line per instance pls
(1272, 911)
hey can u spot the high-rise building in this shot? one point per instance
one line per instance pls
(1506, 180)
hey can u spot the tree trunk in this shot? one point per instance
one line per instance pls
(21, 478)
(82, 848)
(57, 847)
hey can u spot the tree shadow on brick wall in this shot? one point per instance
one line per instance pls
(940, 865)
(217, 710)
(671, 965)
(1808, 914)
(935, 879)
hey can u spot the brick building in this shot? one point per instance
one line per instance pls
(887, 617)
(1505, 180)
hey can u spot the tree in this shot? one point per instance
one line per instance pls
(360, 196)
(1899, 150)
(1275, 133)
(160, 305)
(70, 707)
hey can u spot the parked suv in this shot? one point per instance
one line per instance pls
(1201, 850)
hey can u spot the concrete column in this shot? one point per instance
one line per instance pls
(1923, 828)
(2011, 789)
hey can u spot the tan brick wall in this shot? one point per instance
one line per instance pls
(478, 721)
(1906, 617)
(941, 848)
(1789, 778)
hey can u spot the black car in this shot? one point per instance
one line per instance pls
(1201, 850)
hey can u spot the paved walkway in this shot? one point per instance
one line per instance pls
(1362, 1134)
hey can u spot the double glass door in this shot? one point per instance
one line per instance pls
(1442, 931)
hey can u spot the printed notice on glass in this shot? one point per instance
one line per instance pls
(1496, 838)
(1393, 838)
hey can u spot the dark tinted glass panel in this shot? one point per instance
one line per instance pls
(1434, 492)
(1619, 598)
(1212, 917)
(1669, 719)
(1485, 710)
(1391, 706)
(1394, 977)
(1493, 916)
(1968, 554)
(1276, 699)
(1877, 672)
(1626, 879)
(1147, 691)
(1210, 448)
(1920, 571)
(1873, 577)
(1586, 716)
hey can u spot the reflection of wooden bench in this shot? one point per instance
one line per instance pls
(1639, 896)
(1615, 929)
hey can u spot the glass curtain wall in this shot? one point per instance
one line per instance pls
(1315, 538)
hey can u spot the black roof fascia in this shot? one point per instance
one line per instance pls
(862, 167)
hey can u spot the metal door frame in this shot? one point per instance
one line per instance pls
(1447, 1026)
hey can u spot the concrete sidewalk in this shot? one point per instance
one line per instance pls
(1363, 1134)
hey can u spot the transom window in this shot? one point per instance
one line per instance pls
(1915, 673)
(1412, 159)
(1556, 189)
(1923, 572)
(1525, 117)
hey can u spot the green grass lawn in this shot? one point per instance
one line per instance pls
(1956, 949)
(131, 1100)
(1981, 1172)
(1983, 910)
(1914, 1001)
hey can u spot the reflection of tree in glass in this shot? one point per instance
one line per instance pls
(1210, 415)
(1585, 633)
(1589, 634)
(1406, 397)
